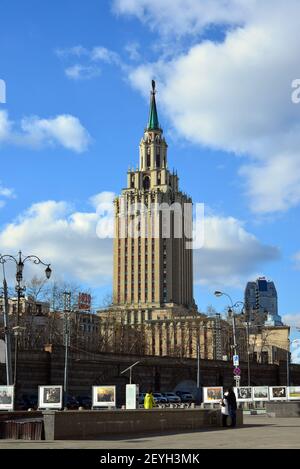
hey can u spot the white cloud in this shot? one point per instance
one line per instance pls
(67, 239)
(233, 95)
(87, 69)
(295, 353)
(79, 244)
(297, 259)
(5, 126)
(133, 50)
(6, 193)
(181, 17)
(103, 54)
(292, 320)
(81, 72)
(230, 254)
(65, 130)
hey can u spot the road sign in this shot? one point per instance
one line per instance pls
(237, 379)
(237, 371)
(236, 360)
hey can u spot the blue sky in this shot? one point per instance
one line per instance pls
(78, 78)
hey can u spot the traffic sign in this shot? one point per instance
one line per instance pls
(237, 371)
(236, 360)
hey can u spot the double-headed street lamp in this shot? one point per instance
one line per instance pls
(19, 261)
(231, 313)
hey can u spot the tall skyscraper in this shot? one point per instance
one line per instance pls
(153, 266)
(261, 298)
(153, 310)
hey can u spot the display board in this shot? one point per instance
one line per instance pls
(50, 397)
(104, 396)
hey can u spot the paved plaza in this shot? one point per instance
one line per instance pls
(258, 432)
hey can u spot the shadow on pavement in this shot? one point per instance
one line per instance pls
(128, 438)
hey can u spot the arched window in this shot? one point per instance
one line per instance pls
(157, 160)
(146, 183)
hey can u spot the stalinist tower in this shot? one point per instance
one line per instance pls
(153, 265)
(153, 310)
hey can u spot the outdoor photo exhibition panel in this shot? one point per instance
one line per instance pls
(278, 393)
(243, 393)
(260, 393)
(104, 396)
(213, 394)
(6, 397)
(50, 397)
(294, 393)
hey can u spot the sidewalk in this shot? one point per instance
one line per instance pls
(258, 432)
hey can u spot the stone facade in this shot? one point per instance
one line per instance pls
(159, 373)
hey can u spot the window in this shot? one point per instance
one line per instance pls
(146, 183)
(158, 160)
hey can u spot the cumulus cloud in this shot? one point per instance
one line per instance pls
(233, 94)
(79, 244)
(70, 240)
(182, 17)
(230, 254)
(33, 131)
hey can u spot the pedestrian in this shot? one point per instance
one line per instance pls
(232, 406)
(224, 409)
(149, 401)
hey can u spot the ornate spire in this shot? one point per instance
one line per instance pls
(153, 119)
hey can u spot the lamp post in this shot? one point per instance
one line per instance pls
(7, 334)
(67, 310)
(288, 361)
(19, 260)
(231, 313)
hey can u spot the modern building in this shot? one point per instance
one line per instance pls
(261, 302)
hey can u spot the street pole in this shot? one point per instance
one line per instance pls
(248, 353)
(236, 371)
(67, 309)
(198, 375)
(287, 368)
(7, 335)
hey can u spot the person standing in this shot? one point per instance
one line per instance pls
(149, 401)
(224, 409)
(232, 406)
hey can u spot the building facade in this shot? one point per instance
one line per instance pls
(261, 302)
(153, 310)
(153, 265)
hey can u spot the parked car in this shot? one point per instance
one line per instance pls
(30, 400)
(84, 401)
(172, 397)
(72, 403)
(21, 404)
(185, 396)
(159, 398)
(142, 397)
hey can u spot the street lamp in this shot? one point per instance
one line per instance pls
(288, 361)
(66, 319)
(231, 313)
(20, 289)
